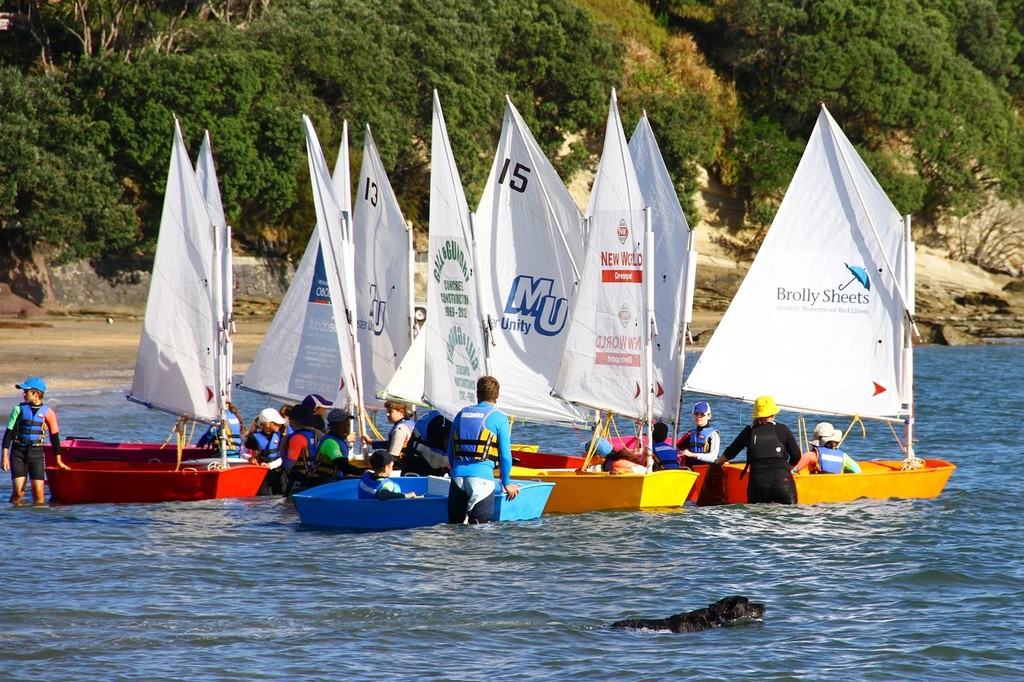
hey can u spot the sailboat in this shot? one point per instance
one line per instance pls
(182, 366)
(311, 344)
(608, 360)
(445, 378)
(384, 270)
(824, 320)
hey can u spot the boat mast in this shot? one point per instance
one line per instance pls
(648, 275)
(486, 322)
(908, 336)
(686, 320)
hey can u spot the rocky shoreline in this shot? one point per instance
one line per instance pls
(957, 303)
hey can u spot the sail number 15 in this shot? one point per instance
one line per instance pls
(519, 179)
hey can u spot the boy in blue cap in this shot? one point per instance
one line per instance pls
(700, 444)
(30, 421)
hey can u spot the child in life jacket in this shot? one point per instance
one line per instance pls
(376, 484)
(700, 444)
(825, 457)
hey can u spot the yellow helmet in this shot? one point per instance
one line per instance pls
(765, 407)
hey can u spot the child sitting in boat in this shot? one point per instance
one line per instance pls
(825, 457)
(664, 452)
(624, 461)
(376, 484)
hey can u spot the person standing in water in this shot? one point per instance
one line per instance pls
(27, 428)
(772, 452)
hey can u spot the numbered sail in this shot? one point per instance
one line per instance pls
(453, 334)
(674, 269)
(309, 345)
(383, 259)
(530, 236)
(605, 364)
(817, 322)
(176, 366)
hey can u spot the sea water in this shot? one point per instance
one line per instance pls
(238, 589)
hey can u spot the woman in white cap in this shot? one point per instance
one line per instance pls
(264, 446)
(700, 444)
(772, 452)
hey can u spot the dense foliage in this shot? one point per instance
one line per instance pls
(929, 90)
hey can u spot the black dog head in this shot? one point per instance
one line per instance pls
(735, 610)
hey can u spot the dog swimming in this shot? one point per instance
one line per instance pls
(725, 612)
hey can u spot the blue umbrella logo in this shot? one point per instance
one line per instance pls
(859, 275)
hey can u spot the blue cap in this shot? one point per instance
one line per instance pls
(703, 407)
(603, 449)
(32, 382)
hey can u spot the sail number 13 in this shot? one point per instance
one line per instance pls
(519, 178)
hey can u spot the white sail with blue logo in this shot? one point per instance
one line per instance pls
(674, 270)
(606, 364)
(818, 322)
(530, 244)
(453, 331)
(383, 273)
(309, 346)
(176, 370)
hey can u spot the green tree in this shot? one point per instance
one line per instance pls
(246, 100)
(56, 186)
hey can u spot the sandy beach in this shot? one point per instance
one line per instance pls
(73, 353)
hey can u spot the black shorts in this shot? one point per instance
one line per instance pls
(28, 462)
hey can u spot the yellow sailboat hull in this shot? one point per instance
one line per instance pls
(578, 492)
(879, 480)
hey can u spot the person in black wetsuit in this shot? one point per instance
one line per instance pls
(772, 452)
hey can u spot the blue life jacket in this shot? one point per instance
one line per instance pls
(666, 455)
(30, 425)
(472, 440)
(270, 446)
(323, 467)
(697, 439)
(419, 430)
(301, 463)
(234, 434)
(829, 461)
(370, 485)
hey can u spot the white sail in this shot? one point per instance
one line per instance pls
(605, 363)
(308, 347)
(381, 237)
(206, 174)
(674, 268)
(453, 331)
(817, 322)
(341, 178)
(530, 236)
(406, 383)
(176, 367)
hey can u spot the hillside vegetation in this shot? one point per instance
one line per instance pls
(928, 90)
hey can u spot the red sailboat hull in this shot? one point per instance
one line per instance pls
(92, 482)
